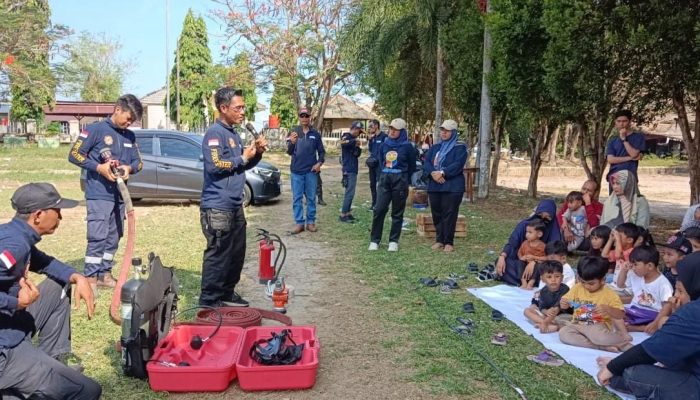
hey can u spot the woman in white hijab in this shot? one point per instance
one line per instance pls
(625, 203)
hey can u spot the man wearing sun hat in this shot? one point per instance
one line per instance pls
(305, 146)
(27, 309)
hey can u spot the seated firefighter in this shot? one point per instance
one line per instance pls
(26, 370)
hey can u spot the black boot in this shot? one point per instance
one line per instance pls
(321, 202)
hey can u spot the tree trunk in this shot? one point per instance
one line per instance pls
(593, 146)
(552, 150)
(498, 140)
(565, 142)
(439, 69)
(538, 144)
(326, 93)
(574, 142)
(692, 143)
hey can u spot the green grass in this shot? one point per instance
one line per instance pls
(651, 160)
(443, 361)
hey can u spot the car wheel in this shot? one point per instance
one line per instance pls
(247, 195)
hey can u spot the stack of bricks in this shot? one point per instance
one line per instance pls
(426, 228)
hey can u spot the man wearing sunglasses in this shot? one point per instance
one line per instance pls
(28, 310)
(305, 146)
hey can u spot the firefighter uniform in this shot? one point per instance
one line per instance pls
(105, 208)
(221, 213)
(25, 370)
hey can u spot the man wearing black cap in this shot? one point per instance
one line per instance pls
(100, 148)
(305, 145)
(350, 147)
(25, 309)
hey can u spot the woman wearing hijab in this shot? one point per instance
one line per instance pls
(676, 346)
(691, 218)
(397, 158)
(445, 163)
(508, 267)
(625, 203)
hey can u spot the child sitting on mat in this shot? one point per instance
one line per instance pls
(651, 291)
(531, 251)
(545, 302)
(556, 251)
(598, 313)
(624, 237)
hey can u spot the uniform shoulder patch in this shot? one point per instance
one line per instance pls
(7, 259)
(213, 142)
(84, 133)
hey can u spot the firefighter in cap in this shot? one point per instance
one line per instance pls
(28, 371)
(221, 210)
(101, 147)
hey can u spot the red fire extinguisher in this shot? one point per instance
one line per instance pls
(267, 269)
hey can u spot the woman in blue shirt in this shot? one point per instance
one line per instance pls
(445, 163)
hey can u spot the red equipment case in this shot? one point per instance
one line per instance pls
(302, 375)
(211, 368)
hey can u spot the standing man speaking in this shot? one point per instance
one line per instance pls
(221, 209)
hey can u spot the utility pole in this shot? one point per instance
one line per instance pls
(177, 85)
(484, 152)
(167, 69)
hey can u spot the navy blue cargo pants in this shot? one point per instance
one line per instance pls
(105, 226)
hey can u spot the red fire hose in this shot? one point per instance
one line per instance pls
(128, 252)
(240, 316)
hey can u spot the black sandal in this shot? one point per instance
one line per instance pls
(473, 267)
(429, 282)
(497, 315)
(468, 307)
(452, 283)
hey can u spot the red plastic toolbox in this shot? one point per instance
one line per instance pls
(302, 375)
(210, 369)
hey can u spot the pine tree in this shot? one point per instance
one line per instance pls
(195, 83)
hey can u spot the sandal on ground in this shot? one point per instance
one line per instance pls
(499, 339)
(473, 267)
(446, 289)
(546, 358)
(466, 322)
(485, 276)
(456, 277)
(462, 330)
(490, 268)
(468, 307)
(430, 282)
(452, 283)
(497, 315)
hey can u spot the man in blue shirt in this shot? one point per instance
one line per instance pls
(376, 138)
(101, 147)
(305, 145)
(350, 147)
(28, 371)
(624, 151)
(221, 210)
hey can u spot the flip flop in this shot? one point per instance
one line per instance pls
(546, 358)
(473, 267)
(468, 307)
(446, 289)
(466, 322)
(485, 276)
(456, 277)
(462, 330)
(497, 315)
(490, 268)
(429, 282)
(499, 339)
(452, 283)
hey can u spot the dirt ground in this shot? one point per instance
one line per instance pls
(353, 363)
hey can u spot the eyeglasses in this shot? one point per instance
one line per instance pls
(238, 108)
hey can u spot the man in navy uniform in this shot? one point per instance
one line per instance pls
(350, 147)
(305, 145)
(221, 210)
(28, 371)
(99, 147)
(374, 144)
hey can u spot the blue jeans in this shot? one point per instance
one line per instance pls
(349, 192)
(652, 382)
(304, 185)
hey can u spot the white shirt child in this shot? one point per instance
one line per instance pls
(650, 295)
(569, 277)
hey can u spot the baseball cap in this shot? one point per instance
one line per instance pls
(449, 124)
(678, 242)
(358, 125)
(38, 196)
(398, 123)
(305, 111)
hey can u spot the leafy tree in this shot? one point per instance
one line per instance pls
(664, 39)
(303, 47)
(240, 75)
(282, 103)
(26, 38)
(93, 70)
(194, 80)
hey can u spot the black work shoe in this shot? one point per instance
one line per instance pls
(235, 301)
(346, 218)
(321, 202)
